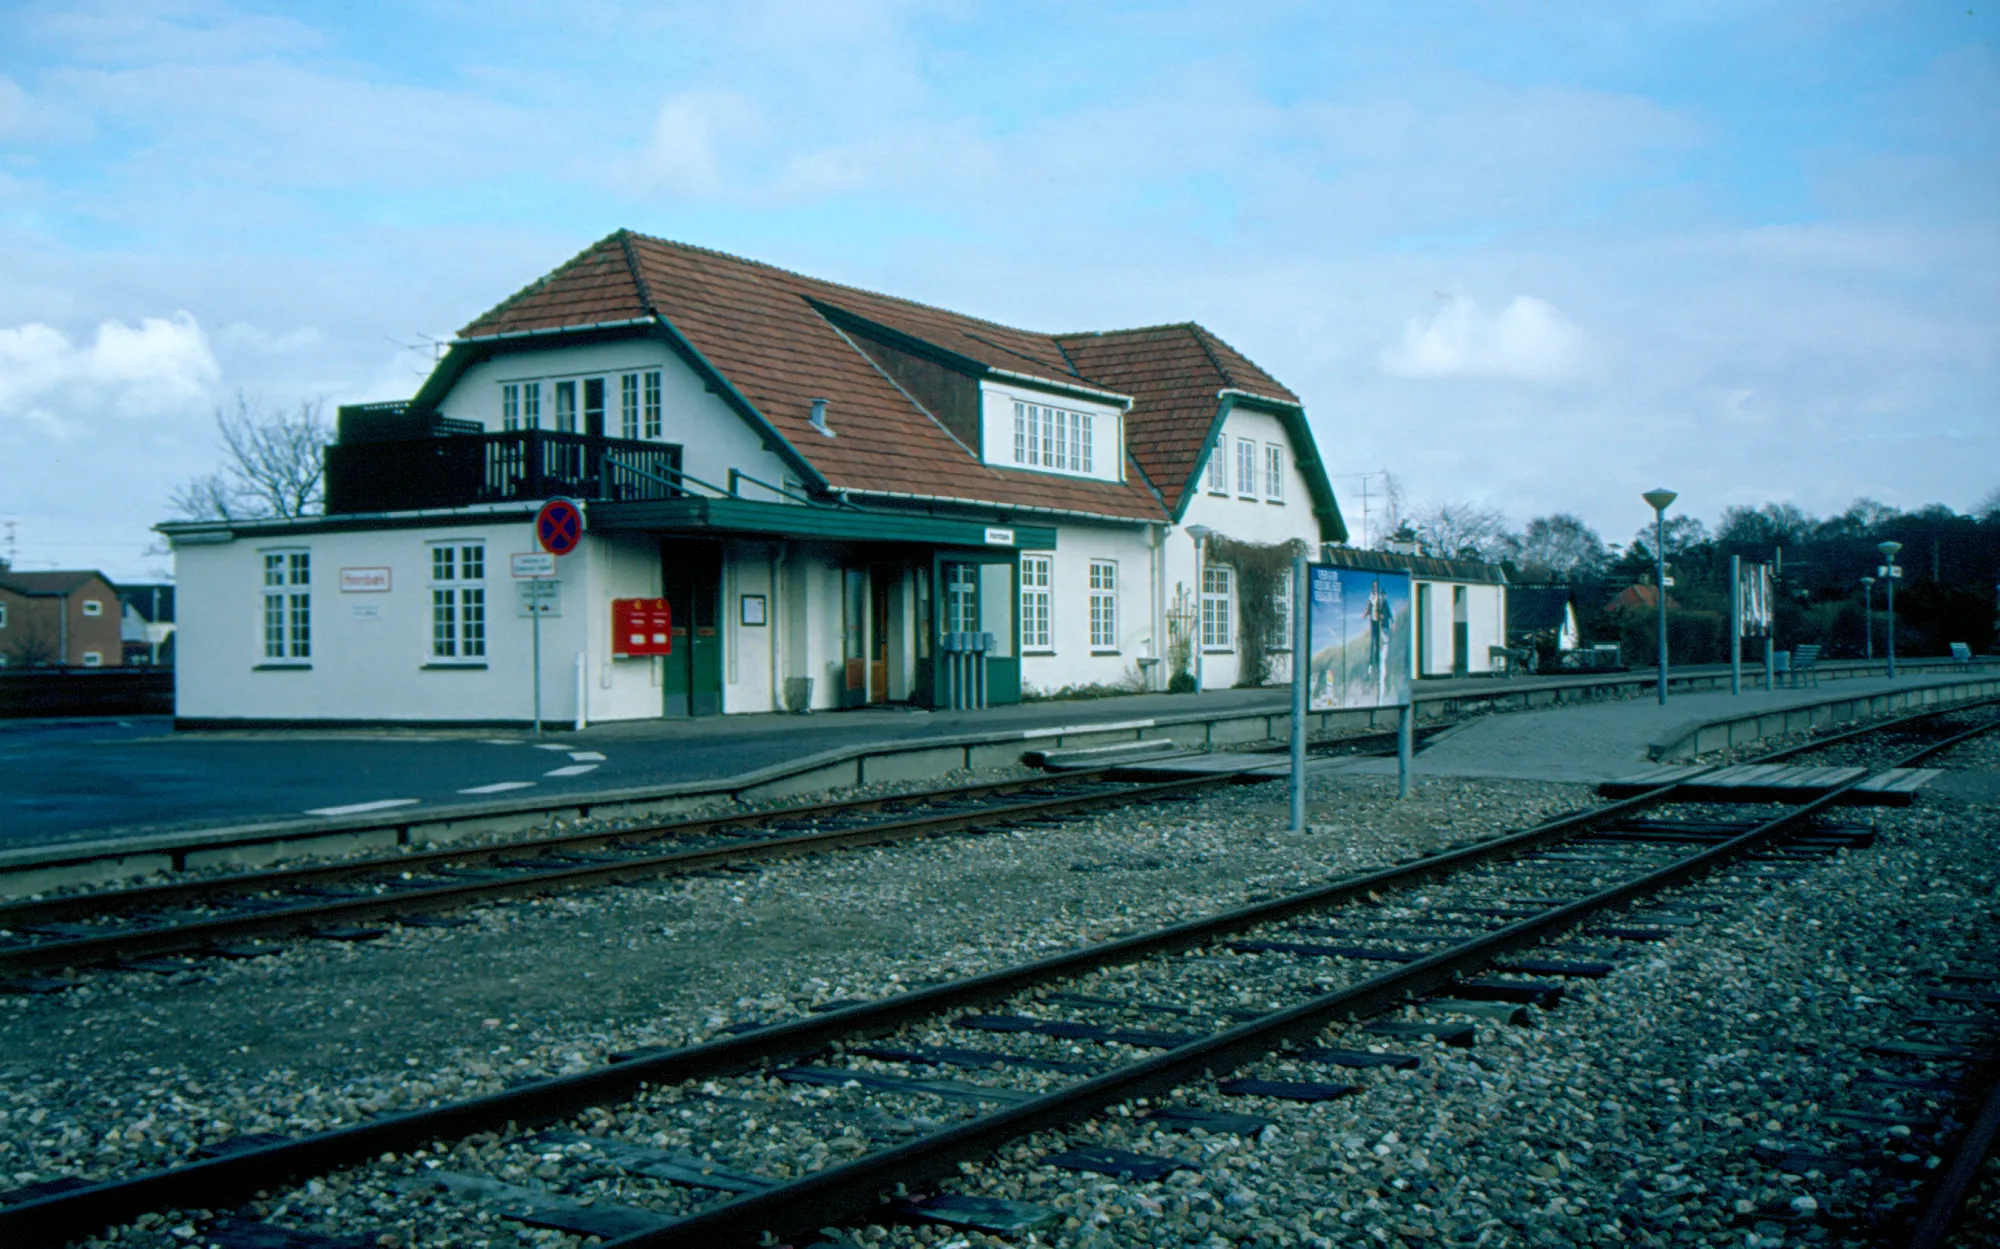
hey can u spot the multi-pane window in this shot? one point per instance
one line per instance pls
(521, 405)
(458, 600)
(1218, 468)
(287, 605)
(652, 383)
(628, 405)
(961, 598)
(1281, 614)
(593, 406)
(1035, 603)
(1103, 604)
(1047, 437)
(1246, 467)
(1274, 472)
(565, 407)
(1217, 582)
(510, 405)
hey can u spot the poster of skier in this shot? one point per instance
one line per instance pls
(1360, 629)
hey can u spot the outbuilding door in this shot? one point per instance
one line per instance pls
(691, 579)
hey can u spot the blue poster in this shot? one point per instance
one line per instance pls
(1359, 627)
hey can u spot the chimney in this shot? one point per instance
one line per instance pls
(819, 417)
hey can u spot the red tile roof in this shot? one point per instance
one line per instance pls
(757, 325)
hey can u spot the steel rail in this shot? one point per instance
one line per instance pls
(1881, 726)
(219, 1183)
(855, 1188)
(200, 933)
(1946, 1193)
(175, 892)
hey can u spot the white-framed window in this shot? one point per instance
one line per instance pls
(565, 407)
(1246, 467)
(1281, 614)
(458, 600)
(93, 607)
(628, 405)
(652, 396)
(1035, 603)
(520, 405)
(1274, 472)
(1218, 467)
(961, 598)
(1103, 604)
(1046, 437)
(1218, 582)
(93, 659)
(287, 607)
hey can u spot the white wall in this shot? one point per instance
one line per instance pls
(1071, 659)
(371, 655)
(1107, 428)
(1245, 518)
(713, 438)
(1485, 625)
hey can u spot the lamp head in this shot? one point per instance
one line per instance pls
(1868, 581)
(1659, 499)
(1199, 532)
(1889, 550)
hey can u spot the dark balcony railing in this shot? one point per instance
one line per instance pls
(458, 470)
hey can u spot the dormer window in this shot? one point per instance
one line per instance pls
(1046, 437)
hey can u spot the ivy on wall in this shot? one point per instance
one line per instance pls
(1260, 573)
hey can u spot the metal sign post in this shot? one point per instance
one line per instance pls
(1301, 661)
(1736, 624)
(537, 593)
(1406, 742)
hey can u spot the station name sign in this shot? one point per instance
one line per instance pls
(364, 581)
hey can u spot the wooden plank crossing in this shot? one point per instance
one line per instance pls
(1772, 782)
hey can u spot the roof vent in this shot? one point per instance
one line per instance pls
(819, 417)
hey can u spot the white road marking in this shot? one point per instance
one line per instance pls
(356, 808)
(586, 756)
(551, 746)
(498, 787)
(1113, 726)
(574, 769)
(500, 741)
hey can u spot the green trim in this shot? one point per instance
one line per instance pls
(751, 517)
(1332, 528)
(842, 319)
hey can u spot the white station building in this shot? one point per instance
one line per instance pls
(842, 498)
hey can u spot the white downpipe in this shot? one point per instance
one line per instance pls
(774, 621)
(582, 689)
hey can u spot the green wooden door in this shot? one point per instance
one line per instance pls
(691, 678)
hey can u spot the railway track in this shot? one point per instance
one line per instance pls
(1271, 988)
(220, 916)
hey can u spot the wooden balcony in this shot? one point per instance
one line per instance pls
(459, 470)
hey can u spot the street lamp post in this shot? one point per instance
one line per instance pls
(1200, 535)
(1889, 572)
(1868, 617)
(1658, 501)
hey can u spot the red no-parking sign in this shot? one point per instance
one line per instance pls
(559, 526)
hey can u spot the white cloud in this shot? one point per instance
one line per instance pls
(163, 364)
(1528, 340)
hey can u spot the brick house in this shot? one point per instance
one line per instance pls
(70, 618)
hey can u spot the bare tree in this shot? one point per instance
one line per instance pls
(1988, 508)
(1559, 547)
(1461, 531)
(273, 464)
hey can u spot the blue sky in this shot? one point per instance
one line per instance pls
(1534, 256)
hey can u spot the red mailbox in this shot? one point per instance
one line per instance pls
(641, 626)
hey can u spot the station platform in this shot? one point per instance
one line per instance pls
(1595, 743)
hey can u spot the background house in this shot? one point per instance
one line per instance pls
(64, 618)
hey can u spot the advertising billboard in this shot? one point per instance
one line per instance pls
(1756, 600)
(1360, 629)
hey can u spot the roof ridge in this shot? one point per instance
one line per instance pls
(638, 275)
(828, 283)
(1136, 329)
(1200, 337)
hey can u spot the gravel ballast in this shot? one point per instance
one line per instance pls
(1657, 1106)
